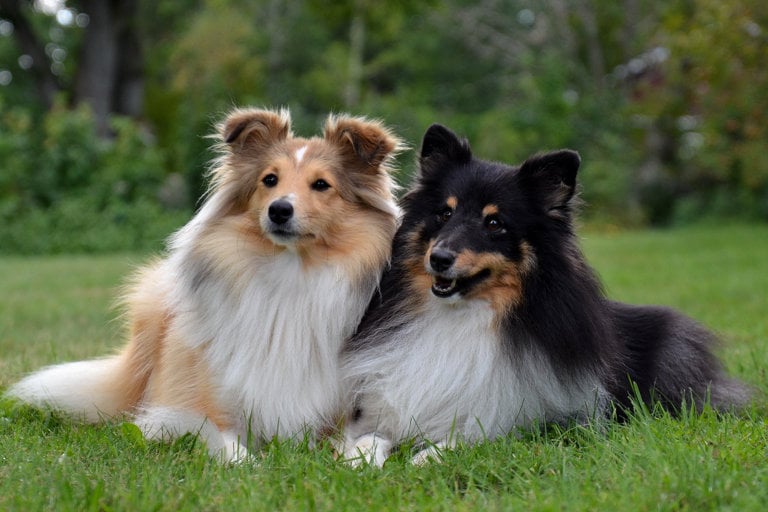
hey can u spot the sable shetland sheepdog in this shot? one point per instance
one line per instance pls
(238, 330)
(490, 319)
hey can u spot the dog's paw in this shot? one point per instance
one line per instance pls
(432, 453)
(166, 424)
(231, 451)
(368, 449)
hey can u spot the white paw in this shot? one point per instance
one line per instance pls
(433, 453)
(165, 424)
(231, 451)
(368, 449)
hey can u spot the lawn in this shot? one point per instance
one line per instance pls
(60, 308)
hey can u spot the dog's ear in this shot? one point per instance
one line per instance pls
(440, 146)
(551, 179)
(365, 144)
(246, 129)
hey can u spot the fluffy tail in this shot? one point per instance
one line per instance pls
(671, 359)
(87, 390)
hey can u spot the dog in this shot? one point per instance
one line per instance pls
(490, 320)
(235, 334)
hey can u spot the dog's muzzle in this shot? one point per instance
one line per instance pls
(440, 262)
(447, 280)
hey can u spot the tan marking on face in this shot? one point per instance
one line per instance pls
(314, 210)
(503, 289)
(452, 202)
(528, 260)
(425, 258)
(490, 209)
(419, 282)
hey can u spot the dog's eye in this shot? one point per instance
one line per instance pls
(269, 181)
(445, 215)
(320, 185)
(494, 224)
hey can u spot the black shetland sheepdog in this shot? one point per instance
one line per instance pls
(490, 319)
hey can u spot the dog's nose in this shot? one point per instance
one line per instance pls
(280, 211)
(441, 259)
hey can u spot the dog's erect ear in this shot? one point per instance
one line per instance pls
(439, 146)
(440, 141)
(255, 129)
(551, 178)
(365, 144)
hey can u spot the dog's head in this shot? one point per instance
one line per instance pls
(306, 193)
(473, 228)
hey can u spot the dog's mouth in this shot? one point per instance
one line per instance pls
(282, 235)
(444, 287)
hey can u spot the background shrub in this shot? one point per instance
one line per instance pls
(83, 193)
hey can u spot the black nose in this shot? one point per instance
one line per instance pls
(280, 211)
(441, 259)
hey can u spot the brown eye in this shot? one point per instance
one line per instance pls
(445, 215)
(320, 185)
(494, 224)
(269, 181)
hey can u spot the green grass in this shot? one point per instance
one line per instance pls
(59, 308)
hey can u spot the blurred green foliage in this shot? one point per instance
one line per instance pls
(665, 100)
(63, 189)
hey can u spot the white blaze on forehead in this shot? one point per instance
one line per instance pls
(300, 154)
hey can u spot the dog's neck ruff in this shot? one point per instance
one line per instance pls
(269, 327)
(447, 372)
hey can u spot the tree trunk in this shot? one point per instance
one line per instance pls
(110, 73)
(47, 83)
(128, 95)
(97, 71)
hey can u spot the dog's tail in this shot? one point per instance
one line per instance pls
(671, 358)
(98, 388)
(87, 390)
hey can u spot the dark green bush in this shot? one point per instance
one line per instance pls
(63, 189)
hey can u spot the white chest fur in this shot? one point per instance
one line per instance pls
(447, 373)
(271, 337)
